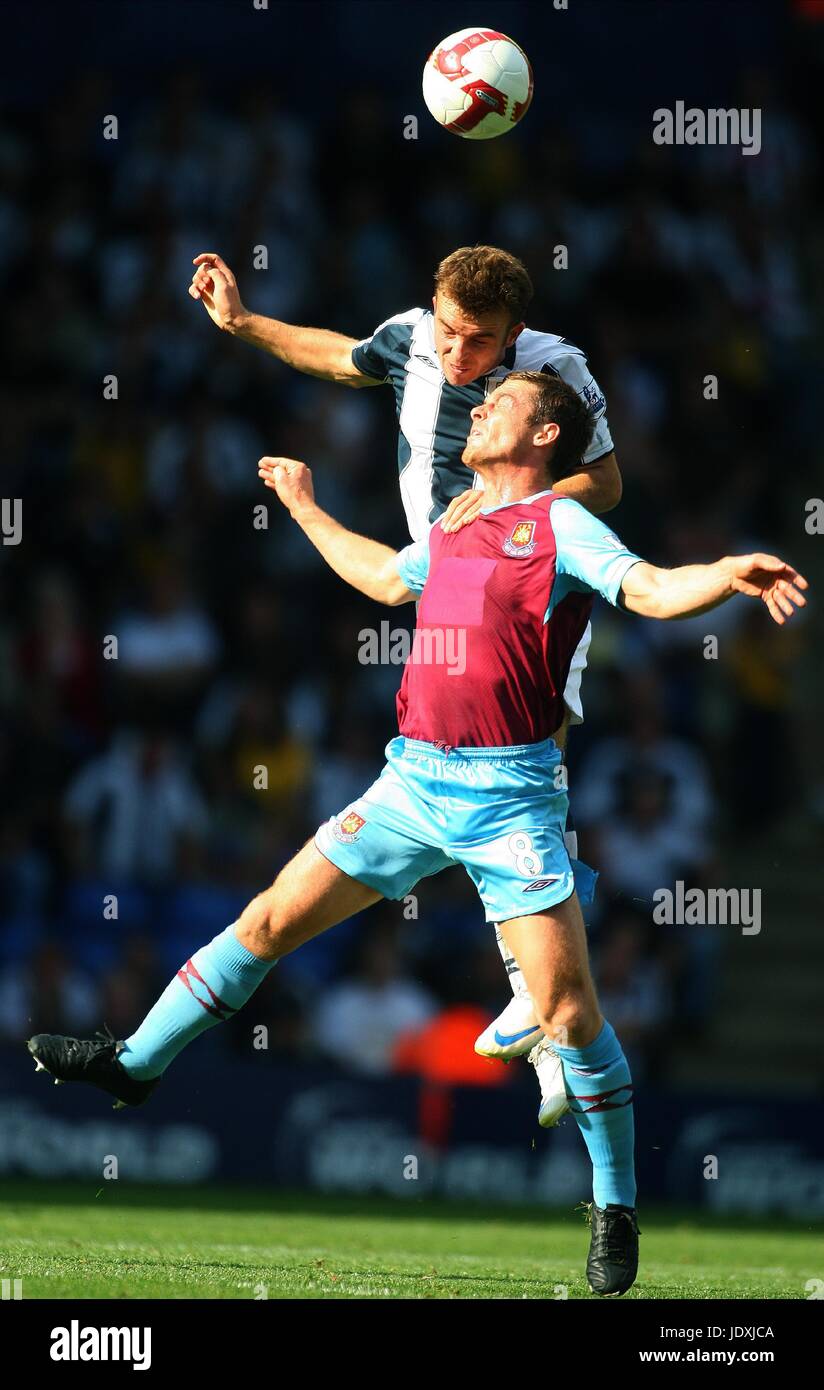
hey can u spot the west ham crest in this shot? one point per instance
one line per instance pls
(347, 829)
(522, 540)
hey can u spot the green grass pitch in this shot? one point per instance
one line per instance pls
(108, 1241)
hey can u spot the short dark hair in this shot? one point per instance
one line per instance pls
(556, 402)
(483, 279)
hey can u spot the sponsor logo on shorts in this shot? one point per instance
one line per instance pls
(538, 883)
(349, 828)
(522, 540)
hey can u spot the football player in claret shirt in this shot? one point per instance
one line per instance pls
(441, 362)
(471, 778)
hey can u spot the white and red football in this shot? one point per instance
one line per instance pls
(477, 84)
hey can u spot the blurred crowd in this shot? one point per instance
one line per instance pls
(161, 642)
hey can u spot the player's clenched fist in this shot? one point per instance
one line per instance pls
(291, 480)
(215, 286)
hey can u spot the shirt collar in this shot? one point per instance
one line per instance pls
(485, 511)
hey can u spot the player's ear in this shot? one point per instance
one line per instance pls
(546, 435)
(515, 332)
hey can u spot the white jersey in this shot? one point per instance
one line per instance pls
(434, 419)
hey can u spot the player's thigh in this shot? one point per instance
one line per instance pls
(551, 949)
(512, 843)
(389, 837)
(309, 896)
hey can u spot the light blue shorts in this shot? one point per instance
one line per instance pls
(497, 811)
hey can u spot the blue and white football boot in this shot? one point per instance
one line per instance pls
(550, 1072)
(514, 1032)
(517, 1033)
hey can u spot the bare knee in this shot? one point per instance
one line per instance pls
(309, 896)
(261, 926)
(570, 1017)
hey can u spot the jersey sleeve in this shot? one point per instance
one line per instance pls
(587, 552)
(413, 565)
(573, 369)
(387, 349)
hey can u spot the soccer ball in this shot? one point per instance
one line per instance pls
(477, 84)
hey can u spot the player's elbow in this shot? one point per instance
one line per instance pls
(389, 587)
(396, 593)
(610, 487)
(358, 380)
(343, 368)
(614, 490)
(643, 591)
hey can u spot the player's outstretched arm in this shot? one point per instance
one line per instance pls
(366, 565)
(316, 351)
(693, 589)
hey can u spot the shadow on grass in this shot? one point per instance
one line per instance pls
(280, 1202)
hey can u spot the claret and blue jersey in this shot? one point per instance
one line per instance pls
(471, 778)
(434, 416)
(518, 587)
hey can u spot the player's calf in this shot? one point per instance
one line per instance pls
(569, 1014)
(310, 895)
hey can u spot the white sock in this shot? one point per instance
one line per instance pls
(517, 982)
(514, 973)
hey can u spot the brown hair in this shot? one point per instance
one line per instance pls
(482, 279)
(556, 402)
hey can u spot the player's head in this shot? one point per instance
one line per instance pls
(481, 298)
(532, 419)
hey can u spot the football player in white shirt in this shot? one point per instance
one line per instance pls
(441, 362)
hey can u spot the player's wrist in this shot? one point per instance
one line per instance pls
(237, 323)
(305, 511)
(727, 569)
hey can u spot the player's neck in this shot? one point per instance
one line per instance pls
(505, 483)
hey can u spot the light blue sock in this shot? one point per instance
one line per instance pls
(208, 989)
(599, 1087)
